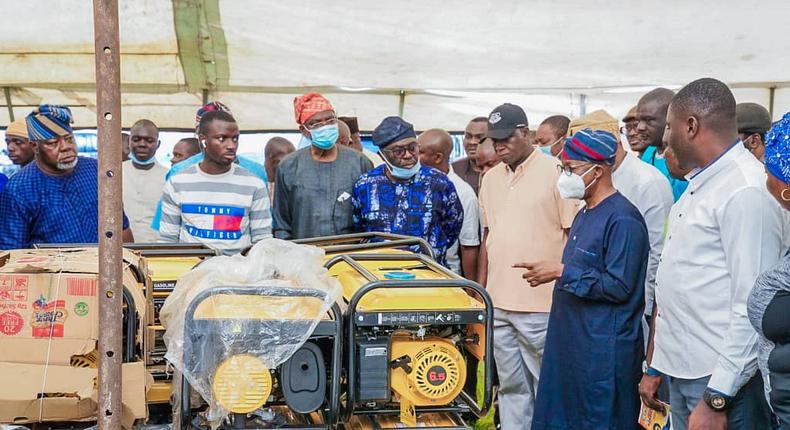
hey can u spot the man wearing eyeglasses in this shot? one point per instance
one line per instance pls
(628, 130)
(55, 198)
(594, 343)
(313, 185)
(403, 197)
(524, 219)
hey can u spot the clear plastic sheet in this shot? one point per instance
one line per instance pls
(263, 306)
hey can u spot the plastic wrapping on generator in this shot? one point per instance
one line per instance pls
(265, 304)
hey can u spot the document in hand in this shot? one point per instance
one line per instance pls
(654, 420)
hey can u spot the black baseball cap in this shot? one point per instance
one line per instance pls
(504, 120)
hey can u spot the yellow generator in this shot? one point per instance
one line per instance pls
(161, 264)
(411, 327)
(227, 327)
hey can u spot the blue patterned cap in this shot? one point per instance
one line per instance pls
(594, 146)
(392, 129)
(49, 122)
(777, 149)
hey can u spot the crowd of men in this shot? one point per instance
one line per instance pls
(584, 233)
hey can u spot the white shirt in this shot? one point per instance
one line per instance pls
(141, 192)
(470, 229)
(648, 189)
(723, 232)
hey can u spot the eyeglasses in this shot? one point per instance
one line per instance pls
(400, 151)
(569, 170)
(319, 124)
(630, 126)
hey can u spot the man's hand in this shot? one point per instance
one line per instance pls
(705, 418)
(648, 391)
(540, 272)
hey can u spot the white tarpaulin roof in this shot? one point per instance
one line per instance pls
(439, 63)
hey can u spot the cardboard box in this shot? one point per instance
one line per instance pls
(49, 304)
(69, 393)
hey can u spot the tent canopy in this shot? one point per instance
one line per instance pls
(437, 63)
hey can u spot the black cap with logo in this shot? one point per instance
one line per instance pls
(504, 120)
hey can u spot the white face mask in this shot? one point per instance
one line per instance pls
(572, 186)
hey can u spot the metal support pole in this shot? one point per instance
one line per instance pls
(8, 103)
(582, 104)
(401, 103)
(108, 118)
(771, 101)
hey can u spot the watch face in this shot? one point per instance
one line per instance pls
(717, 402)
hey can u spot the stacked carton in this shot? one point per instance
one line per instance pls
(48, 331)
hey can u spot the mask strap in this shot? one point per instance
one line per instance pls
(386, 161)
(557, 141)
(588, 171)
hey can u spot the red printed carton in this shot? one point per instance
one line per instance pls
(49, 304)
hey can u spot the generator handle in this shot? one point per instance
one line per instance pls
(131, 326)
(369, 241)
(488, 373)
(269, 291)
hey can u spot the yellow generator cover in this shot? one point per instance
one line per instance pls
(169, 269)
(401, 298)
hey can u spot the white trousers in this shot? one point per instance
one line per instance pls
(519, 338)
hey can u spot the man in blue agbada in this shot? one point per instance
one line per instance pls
(403, 197)
(54, 199)
(594, 344)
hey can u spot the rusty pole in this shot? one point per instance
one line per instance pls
(108, 118)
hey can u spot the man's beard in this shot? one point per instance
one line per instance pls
(67, 166)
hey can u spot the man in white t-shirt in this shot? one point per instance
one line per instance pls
(143, 180)
(435, 148)
(216, 202)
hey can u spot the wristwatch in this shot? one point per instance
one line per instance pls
(715, 400)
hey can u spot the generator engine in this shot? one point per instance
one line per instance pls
(429, 372)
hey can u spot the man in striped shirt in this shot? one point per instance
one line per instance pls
(216, 202)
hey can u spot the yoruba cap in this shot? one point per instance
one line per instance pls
(777, 149)
(210, 107)
(17, 128)
(392, 129)
(308, 105)
(595, 146)
(598, 120)
(752, 118)
(351, 122)
(49, 122)
(631, 115)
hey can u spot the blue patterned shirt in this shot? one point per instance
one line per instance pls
(426, 206)
(40, 208)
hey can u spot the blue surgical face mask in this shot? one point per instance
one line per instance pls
(547, 149)
(147, 162)
(324, 137)
(401, 172)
